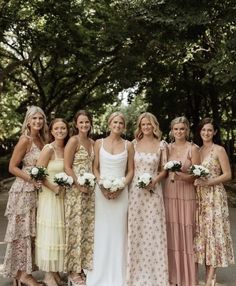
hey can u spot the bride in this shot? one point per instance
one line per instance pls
(113, 158)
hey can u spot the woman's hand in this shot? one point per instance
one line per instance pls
(37, 184)
(110, 195)
(203, 182)
(84, 189)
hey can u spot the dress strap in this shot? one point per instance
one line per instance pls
(126, 142)
(50, 146)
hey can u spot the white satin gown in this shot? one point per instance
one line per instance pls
(110, 241)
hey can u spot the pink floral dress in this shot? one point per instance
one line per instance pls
(21, 214)
(213, 243)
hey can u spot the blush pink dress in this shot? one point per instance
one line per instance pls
(180, 206)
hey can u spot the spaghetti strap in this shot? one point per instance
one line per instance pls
(126, 145)
(50, 146)
(190, 150)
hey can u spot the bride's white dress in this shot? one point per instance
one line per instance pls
(110, 241)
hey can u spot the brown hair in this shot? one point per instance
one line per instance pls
(85, 113)
(55, 120)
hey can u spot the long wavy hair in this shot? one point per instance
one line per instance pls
(85, 113)
(55, 120)
(181, 119)
(216, 137)
(138, 134)
(32, 110)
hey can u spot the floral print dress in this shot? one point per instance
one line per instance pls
(147, 242)
(213, 243)
(79, 218)
(21, 214)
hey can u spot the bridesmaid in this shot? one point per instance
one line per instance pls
(113, 158)
(180, 205)
(147, 242)
(50, 214)
(79, 201)
(213, 243)
(21, 206)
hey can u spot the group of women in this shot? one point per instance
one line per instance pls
(154, 235)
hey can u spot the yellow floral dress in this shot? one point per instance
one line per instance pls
(79, 218)
(213, 243)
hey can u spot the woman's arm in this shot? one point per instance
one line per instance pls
(163, 160)
(43, 160)
(96, 170)
(130, 164)
(195, 160)
(69, 154)
(17, 156)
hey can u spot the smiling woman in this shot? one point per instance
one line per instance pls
(50, 216)
(113, 159)
(180, 206)
(21, 206)
(213, 243)
(79, 201)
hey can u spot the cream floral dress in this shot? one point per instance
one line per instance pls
(213, 243)
(79, 218)
(147, 242)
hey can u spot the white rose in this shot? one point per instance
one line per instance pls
(91, 183)
(81, 180)
(70, 180)
(34, 171)
(107, 184)
(146, 178)
(197, 172)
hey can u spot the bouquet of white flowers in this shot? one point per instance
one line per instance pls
(62, 179)
(112, 184)
(38, 174)
(198, 171)
(173, 166)
(87, 180)
(144, 180)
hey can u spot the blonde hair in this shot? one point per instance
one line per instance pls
(155, 124)
(25, 126)
(181, 119)
(115, 114)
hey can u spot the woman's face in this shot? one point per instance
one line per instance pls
(83, 124)
(59, 130)
(117, 125)
(207, 132)
(179, 131)
(146, 126)
(36, 121)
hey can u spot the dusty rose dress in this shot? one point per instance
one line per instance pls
(213, 243)
(180, 205)
(21, 214)
(147, 243)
